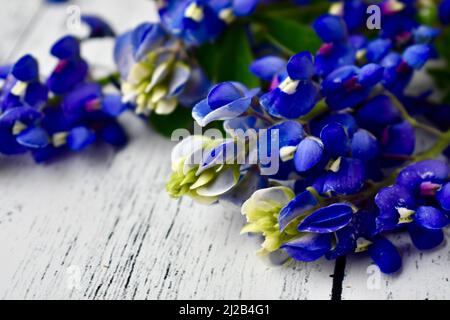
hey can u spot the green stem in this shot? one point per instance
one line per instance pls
(111, 78)
(320, 108)
(288, 52)
(413, 121)
(441, 144)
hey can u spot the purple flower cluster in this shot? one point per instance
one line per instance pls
(66, 112)
(348, 175)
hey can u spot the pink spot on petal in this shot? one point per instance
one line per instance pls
(326, 49)
(61, 65)
(428, 189)
(93, 105)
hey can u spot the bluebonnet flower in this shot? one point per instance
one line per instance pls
(194, 21)
(71, 69)
(22, 85)
(76, 114)
(155, 73)
(336, 51)
(261, 211)
(412, 201)
(348, 86)
(202, 169)
(98, 27)
(199, 21)
(225, 101)
(444, 12)
(297, 94)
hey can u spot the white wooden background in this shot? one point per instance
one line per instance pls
(99, 224)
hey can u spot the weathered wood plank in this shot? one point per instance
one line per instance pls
(17, 19)
(425, 275)
(100, 225)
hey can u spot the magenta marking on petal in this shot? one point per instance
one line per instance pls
(275, 83)
(384, 136)
(403, 37)
(325, 49)
(352, 84)
(403, 67)
(390, 7)
(429, 189)
(93, 105)
(61, 65)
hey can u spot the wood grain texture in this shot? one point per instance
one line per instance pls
(425, 275)
(100, 225)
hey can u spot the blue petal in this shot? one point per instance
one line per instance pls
(45, 154)
(242, 8)
(417, 55)
(99, 28)
(397, 73)
(33, 137)
(399, 139)
(385, 255)
(144, 38)
(335, 139)
(344, 119)
(423, 238)
(327, 219)
(301, 66)
(290, 133)
(345, 243)
(333, 56)
(5, 71)
(65, 48)
(370, 75)
(242, 124)
(26, 115)
(113, 134)
(26, 68)
(444, 12)
(425, 34)
(36, 94)
(431, 218)
(67, 75)
(297, 207)
(308, 247)
(330, 28)
(74, 103)
(389, 200)
(267, 67)
(434, 171)
(308, 154)
(378, 49)
(195, 89)
(222, 94)
(79, 138)
(112, 104)
(364, 145)
(290, 106)
(8, 142)
(378, 113)
(335, 81)
(203, 114)
(443, 196)
(123, 54)
(349, 179)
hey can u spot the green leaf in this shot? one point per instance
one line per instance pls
(207, 56)
(166, 124)
(229, 58)
(289, 34)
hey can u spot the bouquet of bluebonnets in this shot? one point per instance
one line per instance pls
(302, 112)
